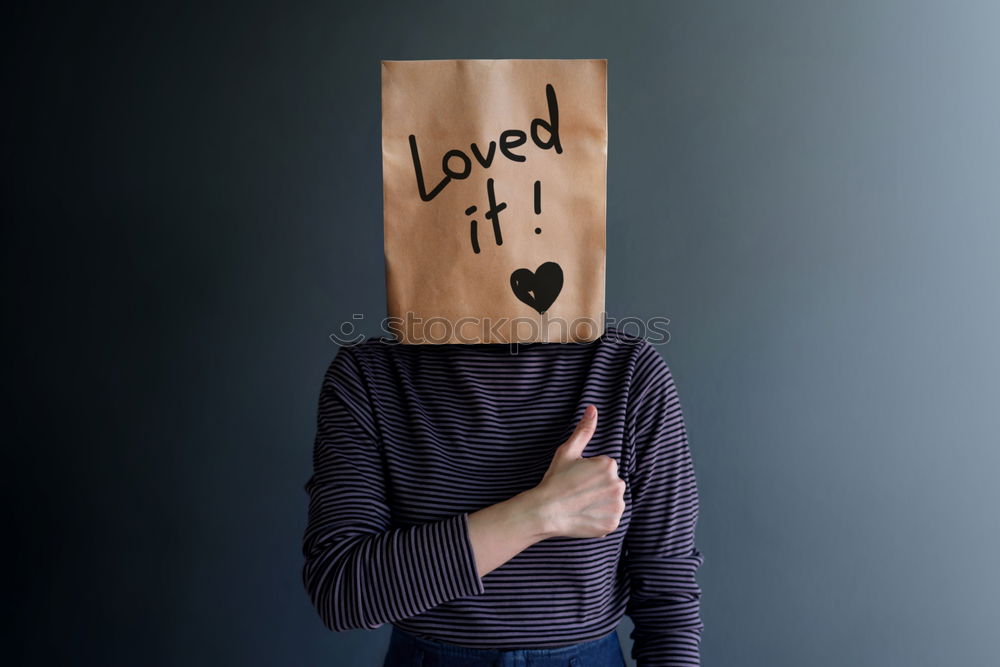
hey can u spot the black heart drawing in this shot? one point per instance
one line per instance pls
(539, 289)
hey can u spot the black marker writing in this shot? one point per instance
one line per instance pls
(494, 212)
(509, 139)
(473, 231)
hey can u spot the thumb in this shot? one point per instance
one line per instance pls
(574, 446)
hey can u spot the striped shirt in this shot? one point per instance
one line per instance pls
(411, 439)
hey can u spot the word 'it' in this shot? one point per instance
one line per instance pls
(508, 140)
(493, 214)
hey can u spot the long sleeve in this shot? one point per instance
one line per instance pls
(360, 571)
(661, 557)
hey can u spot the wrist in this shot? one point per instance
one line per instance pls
(530, 508)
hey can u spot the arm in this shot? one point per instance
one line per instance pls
(500, 532)
(661, 557)
(360, 572)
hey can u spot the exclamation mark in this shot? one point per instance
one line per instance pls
(538, 203)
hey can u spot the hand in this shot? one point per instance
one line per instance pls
(581, 497)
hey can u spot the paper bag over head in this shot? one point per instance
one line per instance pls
(494, 175)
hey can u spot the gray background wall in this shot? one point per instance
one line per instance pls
(808, 190)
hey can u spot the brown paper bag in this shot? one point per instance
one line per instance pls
(494, 175)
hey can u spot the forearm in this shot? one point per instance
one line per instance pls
(500, 532)
(364, 581)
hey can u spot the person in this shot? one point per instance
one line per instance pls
(505, 504)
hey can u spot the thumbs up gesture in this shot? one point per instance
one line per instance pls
(581, 496)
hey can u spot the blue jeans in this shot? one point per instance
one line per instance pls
(406, 650)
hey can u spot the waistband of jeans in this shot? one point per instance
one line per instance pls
(437, 646)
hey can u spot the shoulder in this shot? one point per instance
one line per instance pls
(644, 359)
(346, 396)
(354, 361)
(651, 386)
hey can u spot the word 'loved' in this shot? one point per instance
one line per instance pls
(509, 139)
